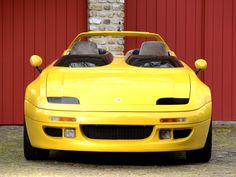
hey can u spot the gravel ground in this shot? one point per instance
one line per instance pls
(13, 163)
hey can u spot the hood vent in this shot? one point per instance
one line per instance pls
(172, 101)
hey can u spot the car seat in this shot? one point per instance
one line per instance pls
(84, 48)
(156, 48)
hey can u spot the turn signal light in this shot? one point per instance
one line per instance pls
(173, 120)
(65, 119)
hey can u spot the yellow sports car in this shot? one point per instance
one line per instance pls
(145, 101)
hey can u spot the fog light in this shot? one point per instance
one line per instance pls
(69, 132)
(165, 134)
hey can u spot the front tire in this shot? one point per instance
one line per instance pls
(32, 153)
(202, 155)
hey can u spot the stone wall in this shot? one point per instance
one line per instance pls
(107, 15)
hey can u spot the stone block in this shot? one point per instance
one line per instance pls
(95, 20)
(95, 6)
(107, 7)
(106, 21)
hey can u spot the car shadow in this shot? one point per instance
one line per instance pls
(101, 158)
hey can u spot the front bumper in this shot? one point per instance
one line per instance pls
(197, 120)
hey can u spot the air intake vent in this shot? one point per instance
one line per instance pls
(56, 132)
(116, 131)
(172, 101)
(181, 133)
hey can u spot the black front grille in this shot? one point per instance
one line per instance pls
(116, 131)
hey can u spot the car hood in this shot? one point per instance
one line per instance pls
(118, 86)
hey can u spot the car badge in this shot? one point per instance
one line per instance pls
(118, 100)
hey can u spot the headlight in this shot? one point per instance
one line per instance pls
(63, 100)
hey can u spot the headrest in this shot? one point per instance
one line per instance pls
(157, 48)
(136, 51)
(84, 48)
(102, 51)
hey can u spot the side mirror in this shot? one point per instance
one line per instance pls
(36, 61)
(200, 65)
